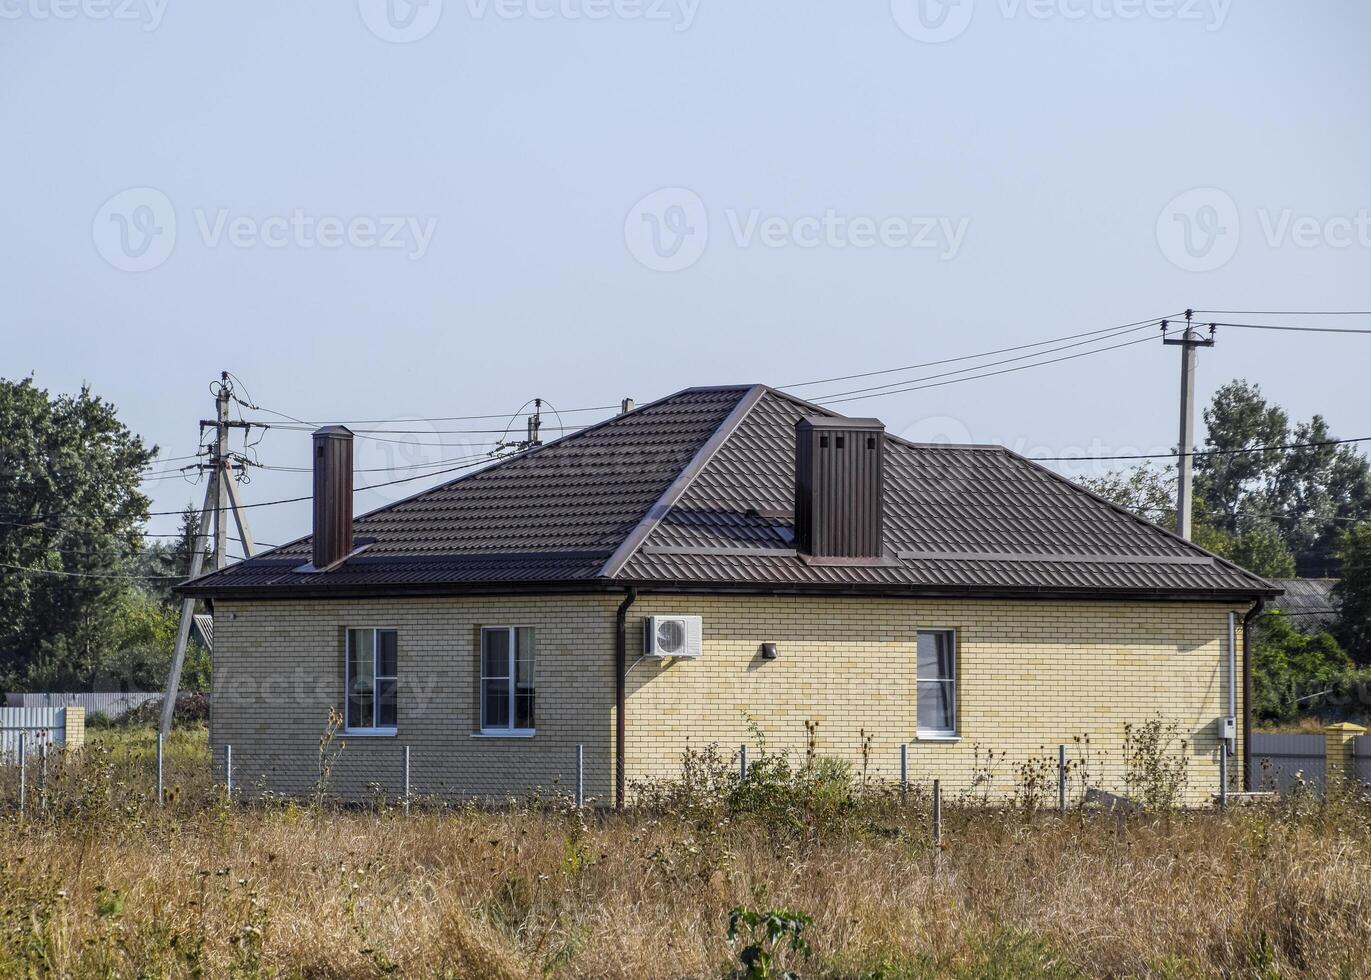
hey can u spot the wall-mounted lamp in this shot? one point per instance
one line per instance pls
(769, 651)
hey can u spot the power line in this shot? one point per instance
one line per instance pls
(1203, 452)
(370, 486)
(988, 364)
(117, 575)
(971, 357)
(1272, 326)
(1287, 312)
(835, 399)
(445, 418)
(422, 432)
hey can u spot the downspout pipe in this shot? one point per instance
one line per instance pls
(621, 694)
(1247, 622)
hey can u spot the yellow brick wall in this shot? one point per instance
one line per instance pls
(278, 669)
(1031, 675)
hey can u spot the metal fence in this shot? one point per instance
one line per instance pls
(30, 729)
(1361, 758)
(1281, 762)
(111, 704)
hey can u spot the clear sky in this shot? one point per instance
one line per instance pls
(378, 210)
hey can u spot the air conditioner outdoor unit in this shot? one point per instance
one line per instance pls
(671, 636)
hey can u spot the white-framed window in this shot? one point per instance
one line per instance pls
(507, 680)
(936, 680)
(372, 677)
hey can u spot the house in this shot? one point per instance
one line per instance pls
(723, 558)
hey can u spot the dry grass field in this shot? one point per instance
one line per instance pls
(97, 881)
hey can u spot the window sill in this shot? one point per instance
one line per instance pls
(505, 733)
(937, 737)
(370, 732)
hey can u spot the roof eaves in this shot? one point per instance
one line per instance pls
(673, 493)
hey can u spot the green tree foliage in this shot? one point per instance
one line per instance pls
(1276, 512)
(1353, 591)
(1296, 673)
(70, 508)
(1306, 496)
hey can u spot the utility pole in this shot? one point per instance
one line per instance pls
(1189, 341)
(221, 496)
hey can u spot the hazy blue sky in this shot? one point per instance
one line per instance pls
(479, 168)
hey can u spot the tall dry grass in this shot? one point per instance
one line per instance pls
(102, 883)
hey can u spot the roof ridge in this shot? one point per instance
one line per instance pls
(677, 488)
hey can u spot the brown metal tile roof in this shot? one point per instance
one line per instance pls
(696, 491)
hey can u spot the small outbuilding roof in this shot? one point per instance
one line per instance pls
(696, 492)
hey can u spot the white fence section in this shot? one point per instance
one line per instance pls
(40, 726)
(111, 705)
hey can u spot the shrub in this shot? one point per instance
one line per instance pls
(1155, 764)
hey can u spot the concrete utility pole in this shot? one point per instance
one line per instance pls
(221, 496)
(1189, 341)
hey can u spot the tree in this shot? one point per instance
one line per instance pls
(1305, 495)
(70, 518)
(1233, 485)
(1353, 591)
(1295, 673)
(162, 564)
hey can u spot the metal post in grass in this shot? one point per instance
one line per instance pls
(1061, 780)
(228, 770)
(580, 776)
(904, 771)
(937, 816)
(161, 783)
(742, 762)
(1223, 777)
(406, 780)
(23, 774)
